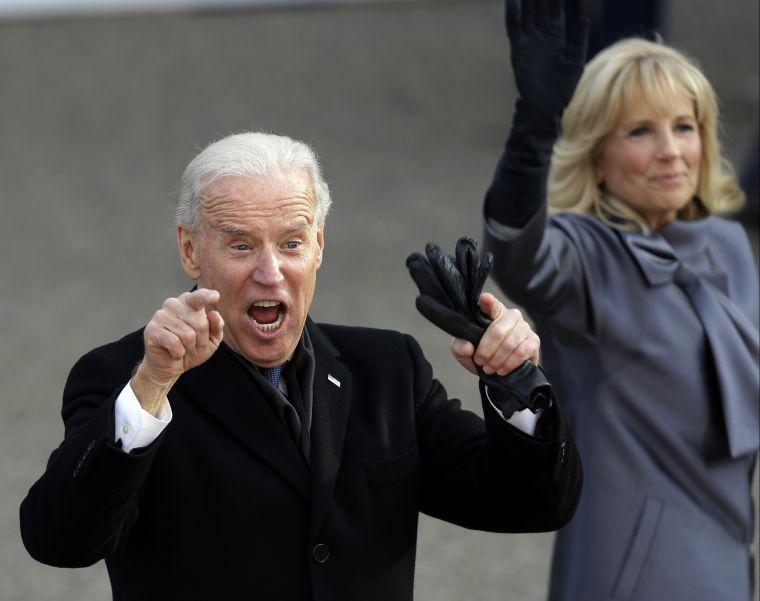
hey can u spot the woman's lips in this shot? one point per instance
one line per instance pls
(668, 178)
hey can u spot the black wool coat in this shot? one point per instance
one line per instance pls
(223, 505)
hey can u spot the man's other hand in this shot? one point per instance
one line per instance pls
(507, 343)
(182, 334)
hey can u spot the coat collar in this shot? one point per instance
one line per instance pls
(331, 405)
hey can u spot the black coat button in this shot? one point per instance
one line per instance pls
(321, 553)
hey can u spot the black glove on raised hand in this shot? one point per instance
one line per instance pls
(450, 290)
(546, 64)
(547, 67)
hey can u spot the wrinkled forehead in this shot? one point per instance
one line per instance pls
(234, 198)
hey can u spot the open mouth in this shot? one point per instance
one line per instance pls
(267, 315)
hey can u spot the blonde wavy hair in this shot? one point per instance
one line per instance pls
(614, 77)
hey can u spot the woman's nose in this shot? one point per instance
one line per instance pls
(667, 146)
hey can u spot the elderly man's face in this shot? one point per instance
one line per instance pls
(260, 246)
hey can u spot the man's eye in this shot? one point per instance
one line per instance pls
(240, 247)
(292, 245)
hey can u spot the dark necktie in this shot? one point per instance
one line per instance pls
(273, 374)
(291, 408)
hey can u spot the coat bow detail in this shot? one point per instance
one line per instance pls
(731, 336)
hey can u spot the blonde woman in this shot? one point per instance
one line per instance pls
(604, 228)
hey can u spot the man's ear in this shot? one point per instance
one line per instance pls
(189, 252)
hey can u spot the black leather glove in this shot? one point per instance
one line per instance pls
(547, 67)
(450, 290)
(546, 64)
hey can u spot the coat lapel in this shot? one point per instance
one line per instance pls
(331, 404)
(222, 389)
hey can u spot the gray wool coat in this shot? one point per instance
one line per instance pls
(652, 344)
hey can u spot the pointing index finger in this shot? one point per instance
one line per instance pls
(203, 298)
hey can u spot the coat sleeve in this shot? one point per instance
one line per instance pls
(537, 266)
(81, 508)
(541, 267)
(491, 476)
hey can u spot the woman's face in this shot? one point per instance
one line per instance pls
(650, 161)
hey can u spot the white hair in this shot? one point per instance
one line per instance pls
(248, 154)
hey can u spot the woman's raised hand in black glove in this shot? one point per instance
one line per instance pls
(546, 64)
(547, 67)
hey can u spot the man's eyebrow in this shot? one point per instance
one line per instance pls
(297, 227)
(234, 230)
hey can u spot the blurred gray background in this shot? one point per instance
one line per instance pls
(407, 104)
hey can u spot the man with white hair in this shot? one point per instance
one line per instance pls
(234, 449)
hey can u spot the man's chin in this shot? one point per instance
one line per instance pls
(268, 354)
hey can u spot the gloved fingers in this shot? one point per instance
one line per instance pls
(466, 261)
(474, 270)
(543, 15)
(449, 321)
(476, 288)
(577, 47)
(465, 251)
(448, 275)
(512, 18)
(527, 17)
(463, 351)
(558, 16)
(426, 279)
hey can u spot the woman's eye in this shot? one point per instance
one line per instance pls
(685, 127)
(639, 131)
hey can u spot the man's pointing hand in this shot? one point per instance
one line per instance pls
(182, 334)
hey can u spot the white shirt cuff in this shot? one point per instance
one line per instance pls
(524, 420)
(134, 426)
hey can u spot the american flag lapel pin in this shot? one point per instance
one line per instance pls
(334, 380)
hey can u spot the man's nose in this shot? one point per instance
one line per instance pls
(266, 271)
